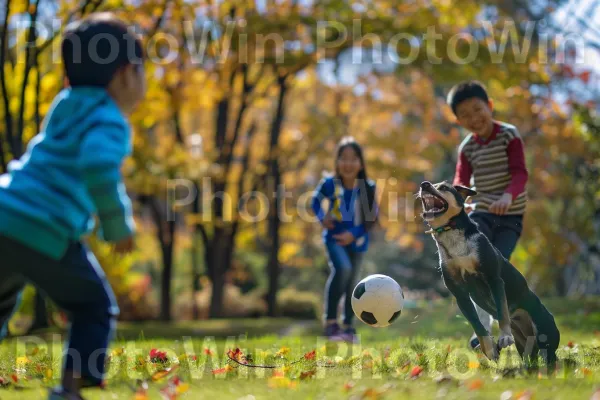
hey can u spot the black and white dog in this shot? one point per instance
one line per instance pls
(472, 268)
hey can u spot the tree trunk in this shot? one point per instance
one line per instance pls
(217, 274)
(274, 224)
(167, 245)
(273, 267)
(195, 260)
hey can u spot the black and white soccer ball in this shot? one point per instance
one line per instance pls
(377, 300)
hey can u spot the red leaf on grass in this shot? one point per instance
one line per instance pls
(310, 355)
(223, 370)
(14, 378)
(416, 371)
(208, 352)
(571, 344)
(157, 356)
(237, 355)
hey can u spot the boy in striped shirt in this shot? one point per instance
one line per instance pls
(492, 156)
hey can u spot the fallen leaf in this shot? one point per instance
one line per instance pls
(473, 364)
(416, 371)
(223, 370)
(22, 361)
(282, 351)
(524, 395)
(157, 356)
(475, 385)
(281, 382)
(310, 355)
(348, 386)
(237, 355)
(182, 388)
(571, 344)
(158, 375)
(141, 394)
(307, 374)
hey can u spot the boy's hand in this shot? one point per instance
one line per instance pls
(328, 222)
(501, 205)
(124, 246)
(344, 238)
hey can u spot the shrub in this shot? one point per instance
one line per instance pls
(298, 304)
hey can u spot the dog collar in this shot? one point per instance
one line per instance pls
(449, 226)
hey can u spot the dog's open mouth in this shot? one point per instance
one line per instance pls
(433, 205)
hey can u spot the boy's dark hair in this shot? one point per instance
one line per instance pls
(464, 91)
(94, 48)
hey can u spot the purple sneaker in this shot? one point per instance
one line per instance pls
(334, 333)
(349, 335)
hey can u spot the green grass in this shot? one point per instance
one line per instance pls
(431, 340)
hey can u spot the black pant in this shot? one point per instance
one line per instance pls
(78, 285)
(503, 231)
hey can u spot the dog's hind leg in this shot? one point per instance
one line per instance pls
(548, 335)
(524, 332)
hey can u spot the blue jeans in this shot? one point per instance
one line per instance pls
(344, 265)
(503, 231)
(78, 285)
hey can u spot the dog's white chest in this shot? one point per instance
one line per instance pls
(457, 253)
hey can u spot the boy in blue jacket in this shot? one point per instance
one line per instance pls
(69, 175)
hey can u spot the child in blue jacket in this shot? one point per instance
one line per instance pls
(69, 175)
(352, 212)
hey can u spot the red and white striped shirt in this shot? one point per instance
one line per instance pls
(496, 165)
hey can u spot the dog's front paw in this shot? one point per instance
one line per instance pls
(505, 340)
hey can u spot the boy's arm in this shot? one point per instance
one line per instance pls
(516, 167)
(101, 154)
(463, 172)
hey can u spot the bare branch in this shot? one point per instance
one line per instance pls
(30, 57)
(160, 19)
(6, 101)
(94, 6)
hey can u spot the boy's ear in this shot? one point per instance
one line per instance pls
(464, 191)
(491, 104)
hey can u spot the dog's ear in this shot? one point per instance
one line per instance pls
(464, 191)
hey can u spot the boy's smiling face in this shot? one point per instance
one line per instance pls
(475, 115)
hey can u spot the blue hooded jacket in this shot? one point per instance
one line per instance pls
(69, 175)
